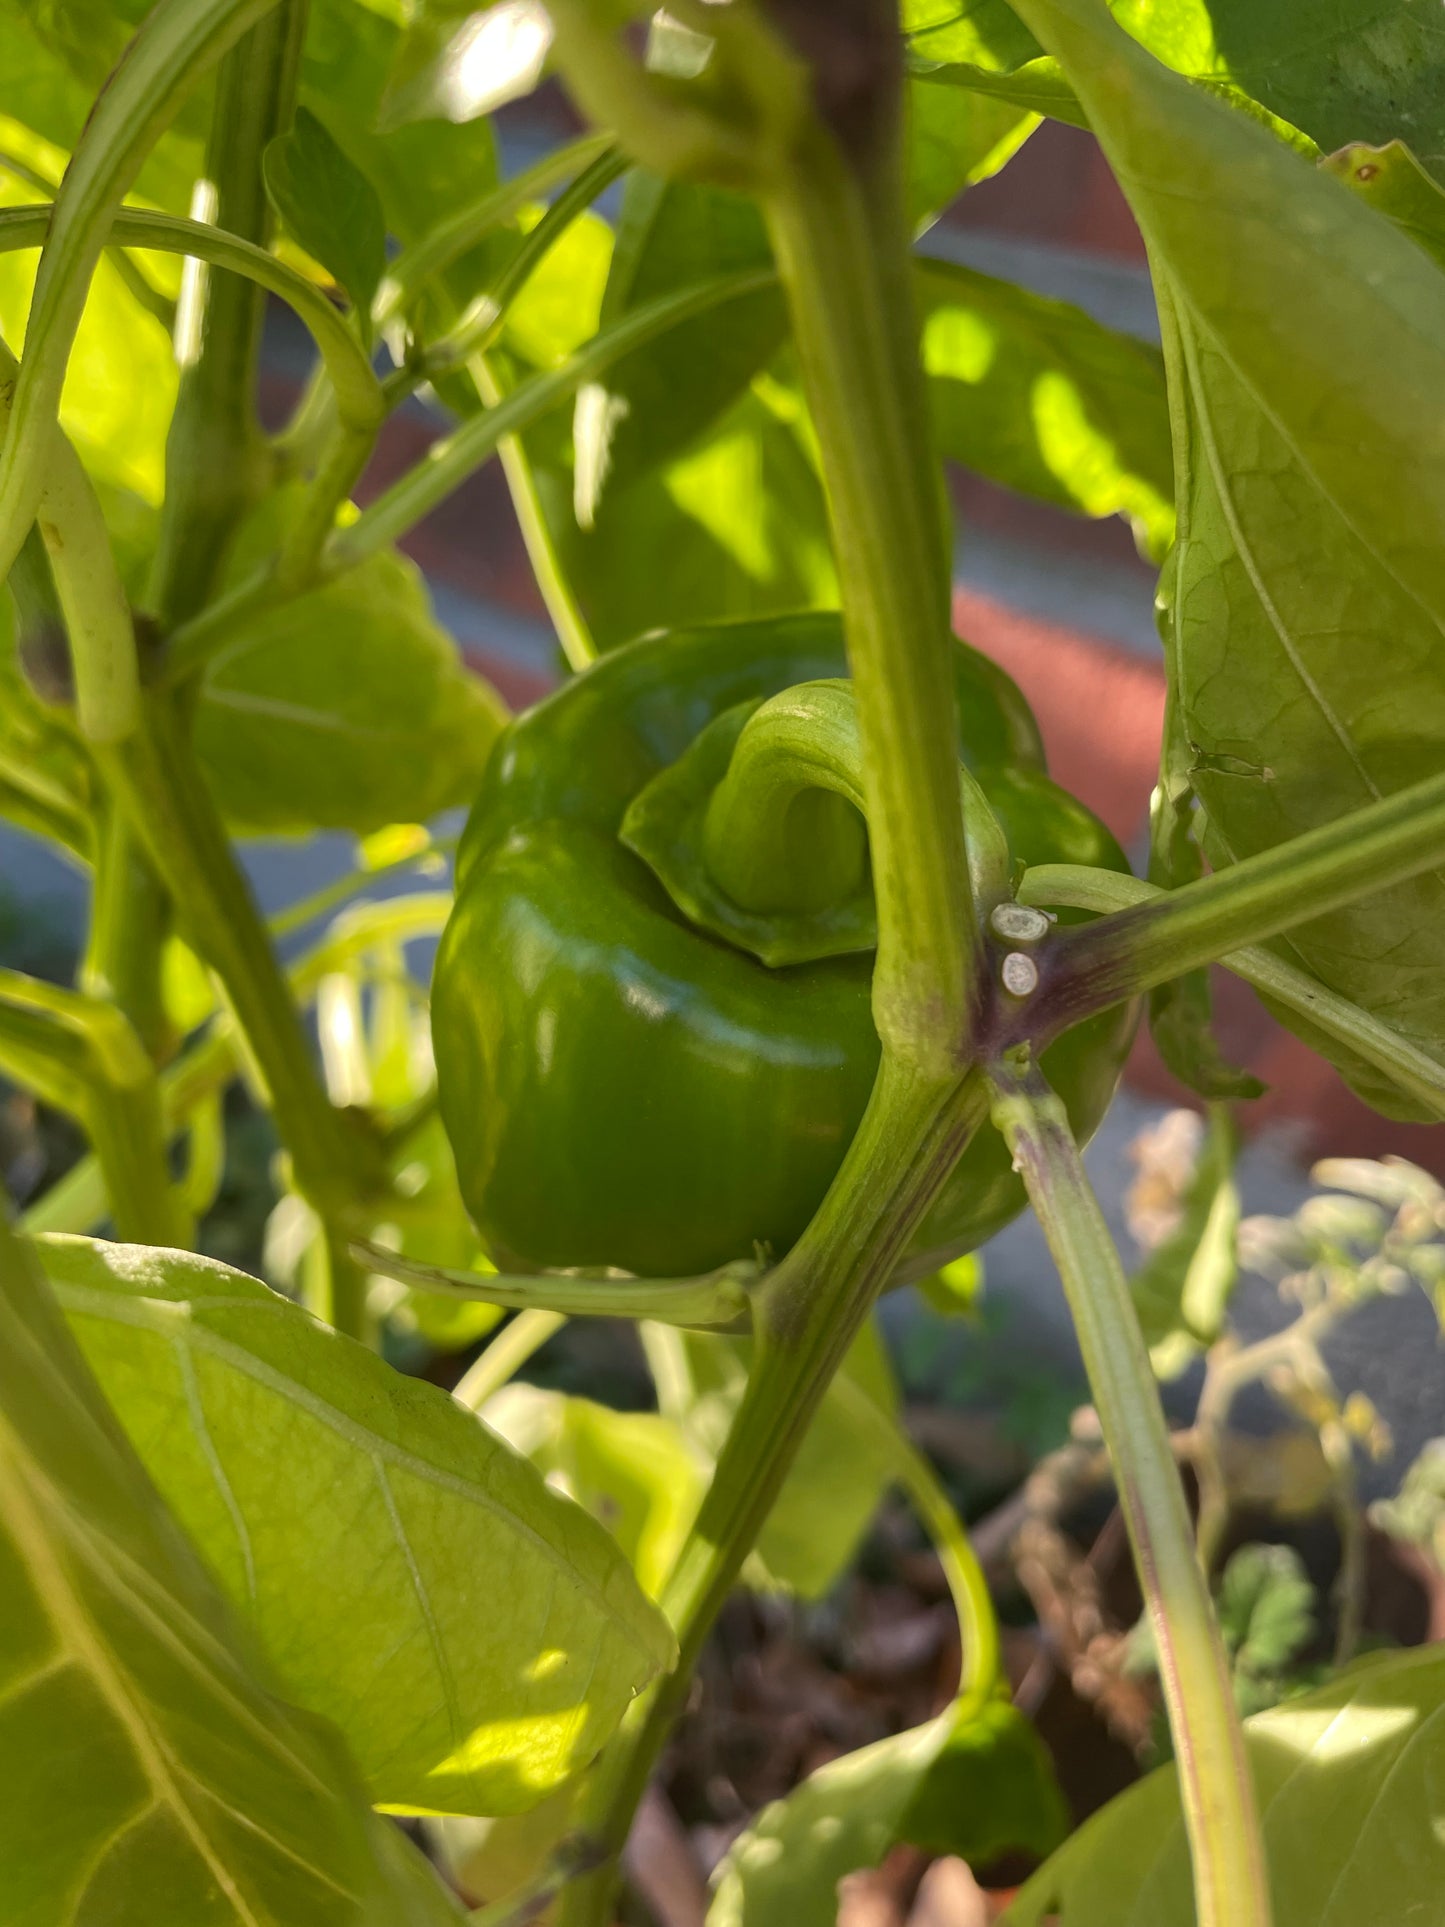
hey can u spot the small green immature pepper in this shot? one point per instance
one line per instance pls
(624, 1086)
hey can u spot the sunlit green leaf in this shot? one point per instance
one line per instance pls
(329, 206)
(120, 385)
(1037, 395)
(361, 1521)
(148, 1773)
(1348, 1787)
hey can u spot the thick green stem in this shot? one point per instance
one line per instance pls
(1231, 1884)
(1412, 1067)
(1322, 870)
(129, 921)
(216, 462)
(574, 636)
(806, 1316)
(156, 777)
(842, 251)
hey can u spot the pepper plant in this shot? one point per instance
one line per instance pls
(778, 970)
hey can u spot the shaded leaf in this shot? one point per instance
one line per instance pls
(1347, 1781)
(974, 1782)
(1391, 180)
(345, 708)
(1309, 585)
(1038, 396)
(330, 207)
(838, 1477)
(633, 1471)
(359, 1520)
(148, 1772)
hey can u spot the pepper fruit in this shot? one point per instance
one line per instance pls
(623, 1087)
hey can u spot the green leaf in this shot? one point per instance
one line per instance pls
(455, 63)
(675, 233)
(735, 527)
(346, 708)
(1374, 71)
(1182, 1290)
(975, 1781)
(430, 1224)
(359, 1520)
(1391, 180)
(1038, 396)
(1347, 1780)
(150, 1773)
(838, 1478)
(1308, 581)
(420, 171)
(633, 1471)
(120, 385)
(329, 206)
(1266, 1608)
(654, 402)
(956, 140)
(990, 1790)
(984, 46)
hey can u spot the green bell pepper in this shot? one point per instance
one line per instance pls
(622, 1084)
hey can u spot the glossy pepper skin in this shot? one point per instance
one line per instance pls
(622, 1089)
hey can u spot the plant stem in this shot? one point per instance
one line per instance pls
(506, 1355)
(156, 778)
(573, 633)
(842, 253)
(129, 920)
(216, 462)
(1412, 1067)
(806, 1315)
(1230, 1881)
(1357, 855)
(716, 1301)
(356, 385)
(967, 1586)
(82, 1056)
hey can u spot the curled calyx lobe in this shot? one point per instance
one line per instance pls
(651, 1013)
